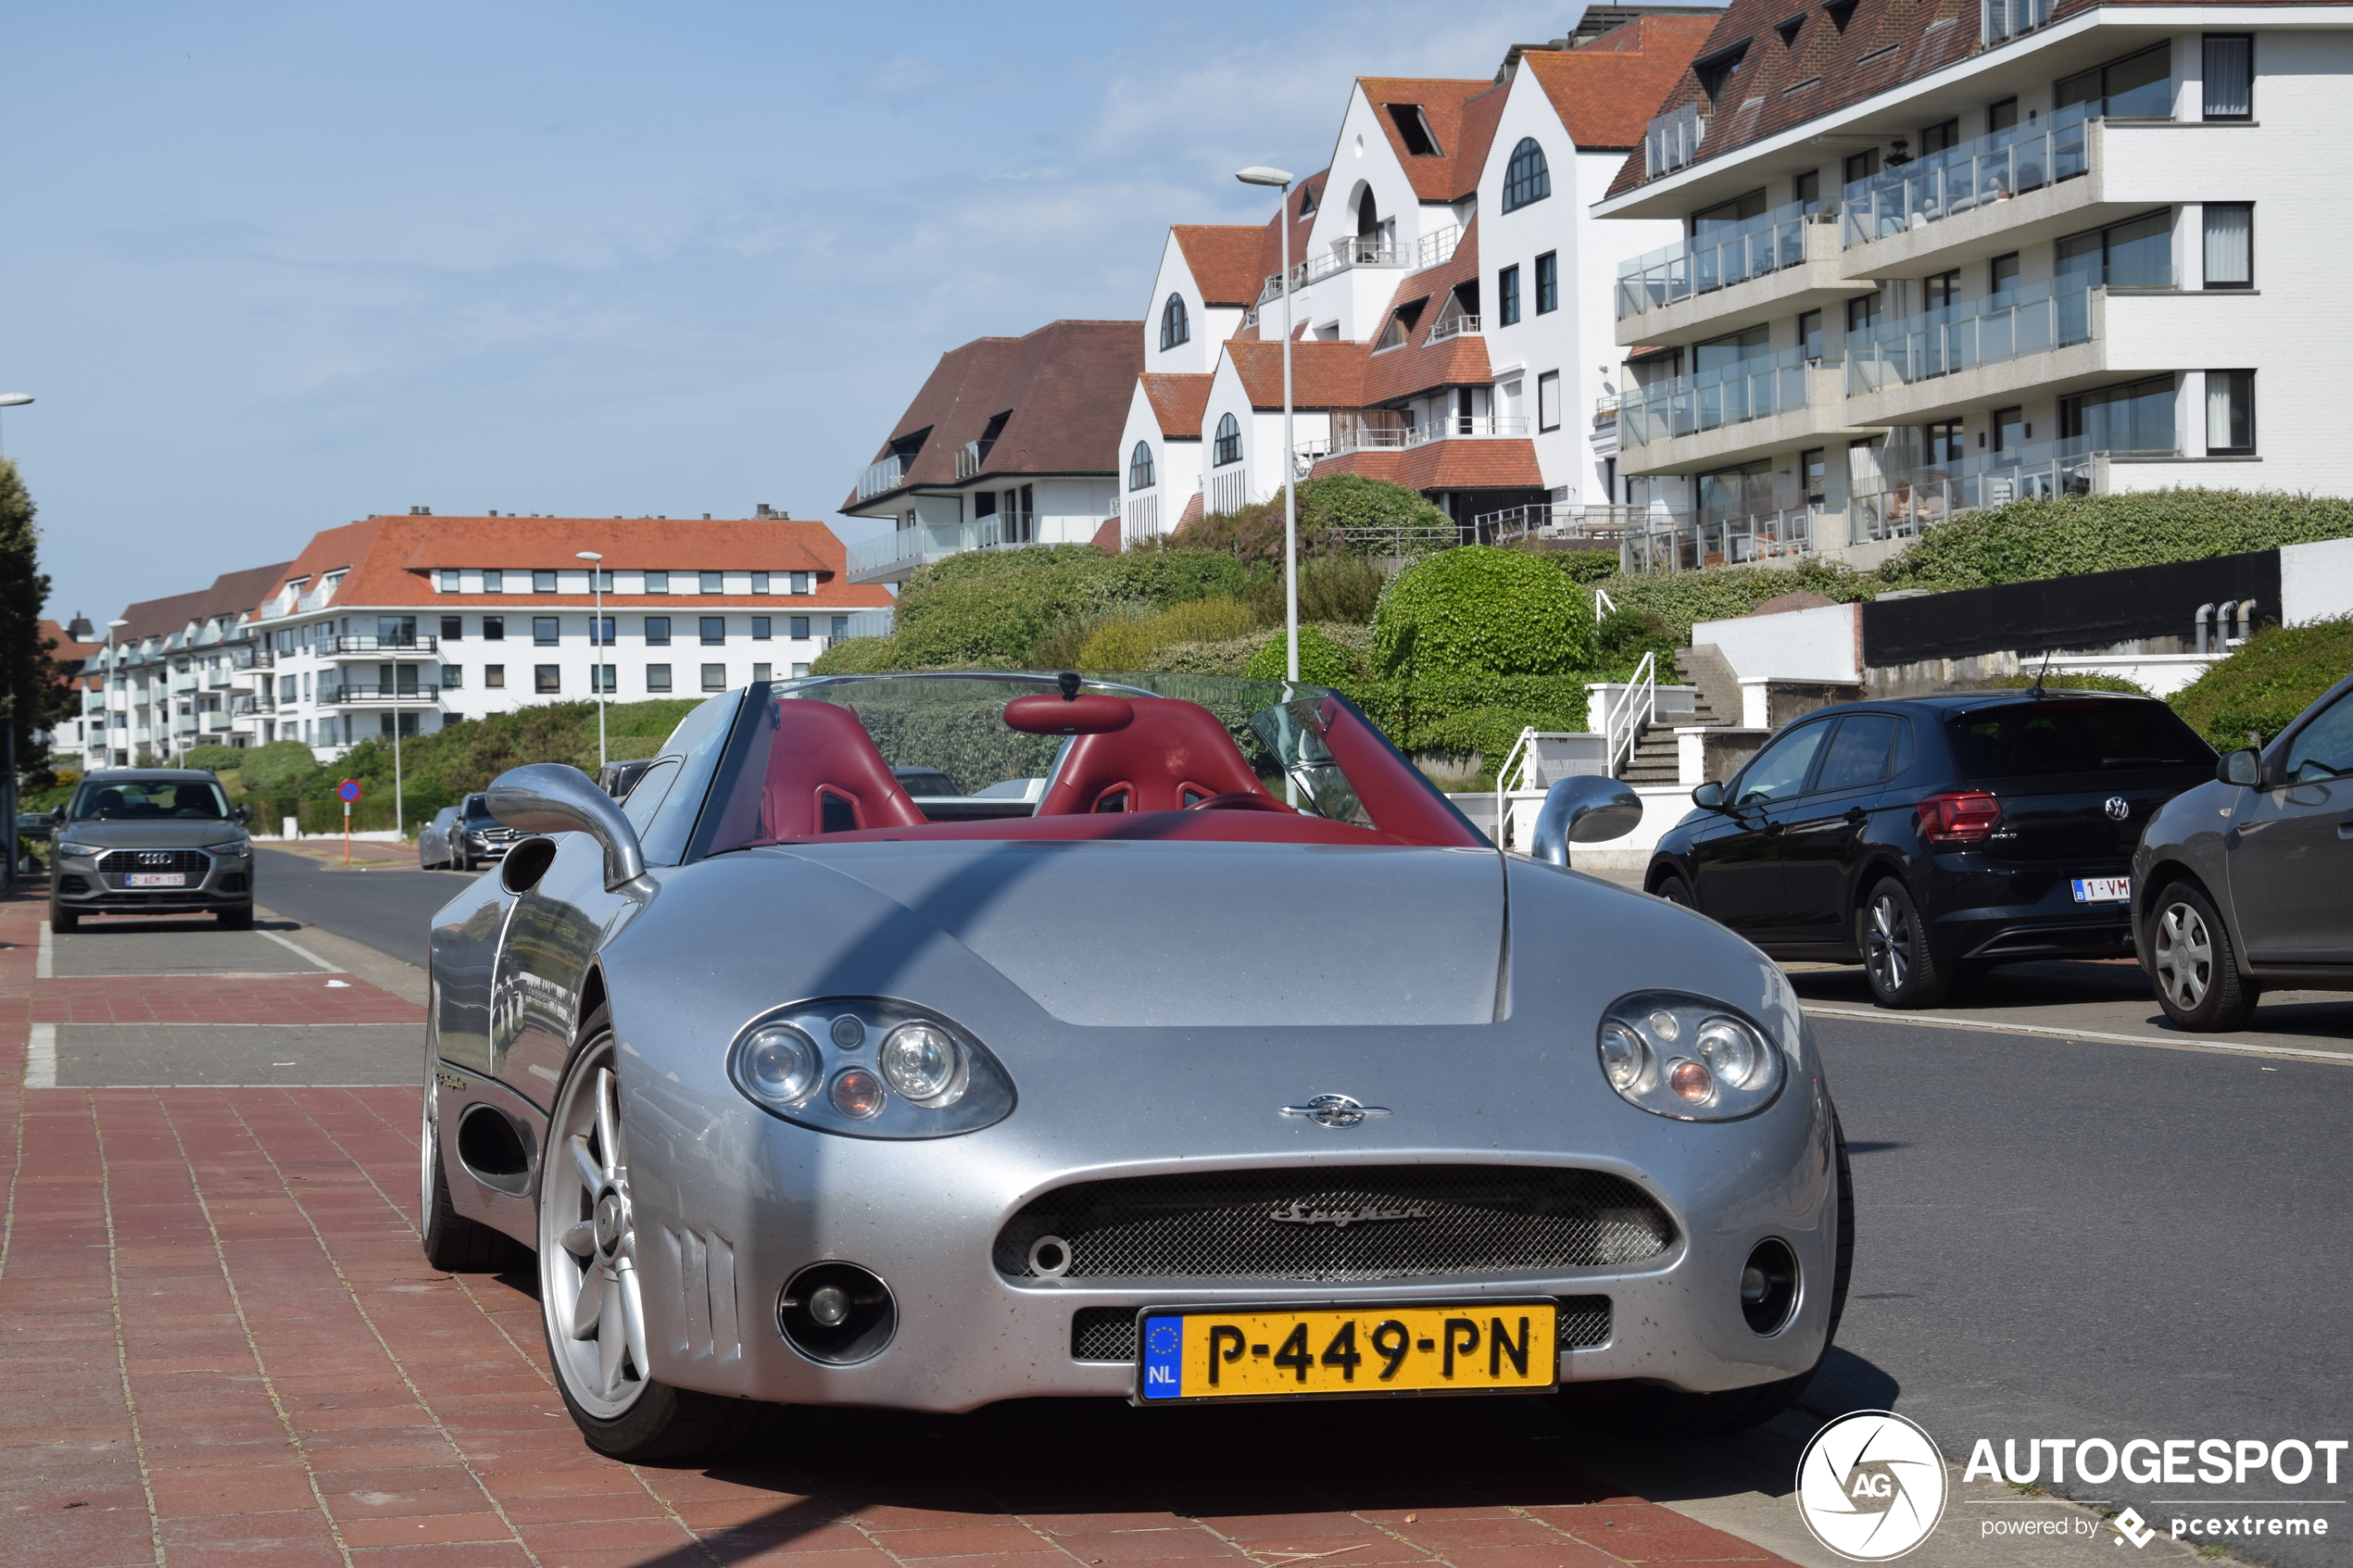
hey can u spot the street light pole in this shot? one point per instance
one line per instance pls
(1262, 175)
(114, 678)
(596, 641)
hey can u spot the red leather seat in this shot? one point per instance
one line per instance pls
(823, 765)
(1172, 755)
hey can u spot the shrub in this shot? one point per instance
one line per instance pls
(1480, 610)
(2035, 539)
(1326, 507)
(281, 768)
(1585, 566)
(2067, 683)
(213, 758)
(1675, 599)
(1322, 661)
(1117, 643)
(2267, 682)
(856, 656)
(1205, 620)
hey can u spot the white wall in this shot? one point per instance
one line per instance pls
(1211, 325)
(1176, 473)
(2316, 582)
(1821, 643)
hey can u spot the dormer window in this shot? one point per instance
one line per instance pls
(1716, 70)
(1399, 328)
(1528, 178)
(1176, 325)
(1789, 29)
(1413, 129)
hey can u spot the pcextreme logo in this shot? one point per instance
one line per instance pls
(1870, 1485)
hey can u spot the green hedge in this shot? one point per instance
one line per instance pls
(1482, 610)
(1326, 507)
(2035, 539)
(2264, 684)
(1673, 600)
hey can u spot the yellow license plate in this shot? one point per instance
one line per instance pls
(1197, 1353)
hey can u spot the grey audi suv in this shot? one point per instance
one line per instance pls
(151, 841)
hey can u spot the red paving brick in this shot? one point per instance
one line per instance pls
(220, 1338)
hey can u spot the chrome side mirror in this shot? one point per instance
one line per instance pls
(550, 797)
(1709, 796)
(2242, 767)
(1583, 809)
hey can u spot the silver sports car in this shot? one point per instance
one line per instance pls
(1192, 1046)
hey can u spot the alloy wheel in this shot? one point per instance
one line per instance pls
(588, 1285)
(1887, 945)
(2184, 956)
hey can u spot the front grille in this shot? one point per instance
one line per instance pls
(116, 864)
(1107, 1334)
(1344, 1223)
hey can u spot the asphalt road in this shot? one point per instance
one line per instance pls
(389, 909)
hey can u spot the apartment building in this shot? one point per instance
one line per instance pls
(1936, 255)
(174, 676)
(1010, 442)
(420, 622)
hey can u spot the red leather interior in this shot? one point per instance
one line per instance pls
(1170, 755)
(1090, 714)
(822, 752)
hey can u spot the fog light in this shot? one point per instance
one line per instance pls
(857, 1093)
(1768, 1286)
(838, 1313)
(1691, 1080)
(829, 1304)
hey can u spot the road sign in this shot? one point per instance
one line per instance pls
(349, 789)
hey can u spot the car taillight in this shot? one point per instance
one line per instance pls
(1965, 816)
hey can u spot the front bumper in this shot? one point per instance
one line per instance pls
(87, 885)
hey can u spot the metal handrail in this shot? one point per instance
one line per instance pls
(1603, 605)
(1625, 731)
(1525, 746)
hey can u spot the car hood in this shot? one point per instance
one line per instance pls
(167, 833)
(1157, 935)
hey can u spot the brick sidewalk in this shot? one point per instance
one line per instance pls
(224, 1346)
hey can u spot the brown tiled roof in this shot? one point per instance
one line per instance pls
(1178, 401)
(1448, 175)
(1608, 92)
(232, 594)
(1223, 258)
(67, 652)
(1884, 45)
(1496, 464)
(1421, 365)
(389, 560)
(1324, 374)
(1066, 386)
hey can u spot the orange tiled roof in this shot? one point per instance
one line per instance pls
(1422, 365)
(1223, 258)
(1447, 175)
(1506, 463)
(1608, 92)
(1178, 401)
(1324, 374)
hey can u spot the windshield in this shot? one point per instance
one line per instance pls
(2027, 739)
(135, 800)
(477, 811)
(1020, 757)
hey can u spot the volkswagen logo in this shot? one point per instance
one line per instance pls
(2118, 809)
(1336, 1110)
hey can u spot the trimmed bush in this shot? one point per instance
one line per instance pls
(1480, 610)
(1584, 566)
(856, 656)
(1205, 620)
(2035, 539)
(2264, 684)
(1322, 661)
(1325, 507)
(213, 758)
(1675, 599)
(281, 768)
(1117, 643)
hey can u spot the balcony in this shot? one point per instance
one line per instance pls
(1558, 524)
(2040, 338)
(970, 457)
(897, 554)
(886, 475)
(1455, 326)
(1908, 501)
(244, 707)
(1980, 175)
(376, 647)
(1671, 140)
(2001, 20)
(1730, 414)
(1437, 248)
(1769, 532)
(1343, 256)
(1364, 433)
(350, 694)
(1779, 264)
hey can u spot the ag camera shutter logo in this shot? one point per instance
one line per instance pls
(1870, 1485)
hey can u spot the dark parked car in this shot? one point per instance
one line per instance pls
(153, 841)
(2246, 881)
(1929, 836)
(617, 779)
(461, 837)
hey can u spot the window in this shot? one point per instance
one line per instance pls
(449, 580)
(493, 581)
(1942, 290)
(2138, 254)
(1398, 329)
(798, 670)
(1862, 314)
(494, 628)
(804, 583)
(1715, 73)
(1548, 282)
(1862, 165)
(1946, 441)
(714, 631)
(2137, 87)
(1413, 129)
(544, 631)
(1807, 190)
(2230, 244)
(2032, 739)
(2135, 417)
(2000, 117)
(600, 632)
(1548, 401)
(1507, 295)
(657, 581)
(2001, 274)
(2322, 749)
(543, 581)
(1229, 448)
(453, 677)
(1139, 467)
(710, 582)
(2229, 412)
(1809, 333)
(1779, 769)
(1727, 217)
(453, 628)
(714, 677)
(600, 581)
(838, 626)
(1814, 467)
(1940, 138)
(798, 627)
(2009, 429)
(759, 624)
(658, 631)
(1859, 755)
(657, 677)
(759, 582)
(1175, 327)
(494, 675)
(547, 679)
(1733, 349)
(1528, 178)
(2230, 76)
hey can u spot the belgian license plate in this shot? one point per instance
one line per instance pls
(156, 879)
(2103, 889)
(1189, 1354)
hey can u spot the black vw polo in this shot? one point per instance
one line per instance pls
(1928, 835)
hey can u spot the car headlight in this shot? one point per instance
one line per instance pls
(1683, 1056)
(87, 851)
(236, 851)
(927, 1079)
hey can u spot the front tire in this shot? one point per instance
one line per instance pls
(592, 1304)
(63, 921)
(2194, 966)
(1675, 890)
(1903, 971)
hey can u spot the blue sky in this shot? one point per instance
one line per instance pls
(270, 268)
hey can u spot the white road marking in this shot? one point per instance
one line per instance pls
(41, 1057)
(2343, 1058)
(305, 952)
(44, 969)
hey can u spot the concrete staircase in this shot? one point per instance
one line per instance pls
(1717, 702)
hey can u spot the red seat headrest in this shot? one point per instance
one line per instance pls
(1091, 713)
(1170, 755)
(822, 765)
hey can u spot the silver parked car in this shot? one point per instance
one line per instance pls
(459, 837)
(151, 841)
(2246, 882)
(1231, 1063)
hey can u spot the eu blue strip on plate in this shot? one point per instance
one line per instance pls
(1163, 1358)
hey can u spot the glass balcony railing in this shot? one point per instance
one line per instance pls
(884, 475)
(1673, 543)
(1906, 501)
(1715, 260)
(1975, 174)
(1985, 331)
(911, 547)
(2001, 19)
(1726, 395)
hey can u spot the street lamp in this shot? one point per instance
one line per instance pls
(15, 399)
(595, 641)
(1262, 175)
